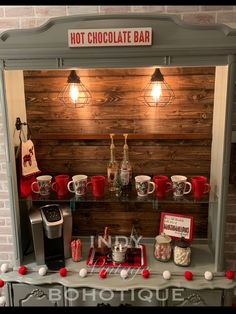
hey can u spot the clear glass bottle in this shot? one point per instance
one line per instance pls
(113, 167)
(182, 252)
(126, 168)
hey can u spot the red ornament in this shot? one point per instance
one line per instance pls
(145, 273)
(229, 274)
(102, 273)
(22, 270)
(63, 272)
(1, 283)
(188, 275)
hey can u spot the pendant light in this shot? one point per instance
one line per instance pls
(157, 93)
(74, 94)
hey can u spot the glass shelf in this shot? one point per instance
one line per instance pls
(110, 197)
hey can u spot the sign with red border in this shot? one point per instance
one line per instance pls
(139, 36)
(177, 226)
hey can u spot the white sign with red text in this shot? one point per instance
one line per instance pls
(176, 225)
(141, 36)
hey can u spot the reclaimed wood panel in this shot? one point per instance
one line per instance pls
(189, 99)
(157, 152)
(148, 167)
(145, 218)
(92, 126)
(175, 139)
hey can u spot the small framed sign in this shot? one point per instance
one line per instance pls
(176, 225)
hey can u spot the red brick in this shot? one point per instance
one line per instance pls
(114, 9)
(230, 264)
(182, 8)
(50, 11)
(200, 18)
(5, 230)
(7, 23)
(4, 195)
(28, 22)
(9, 239)
(40, 21)
(231, 209)
(8, 221)
(4, 257)
(216, 7)
(230, 247)
(82, 9)
(229, 17)
(230, 256)
(2, 222)
(231, 218)
(5, 213)
(148, 8)
(6, 248)
(20, 11)
(230, 228)
(230, 238)
(3, 239)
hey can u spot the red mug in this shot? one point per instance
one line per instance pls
(163, 185)
(98, 185)
(60, 184)
(199, 186)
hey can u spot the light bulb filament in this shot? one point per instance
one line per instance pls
(74, 92)
(156, 92)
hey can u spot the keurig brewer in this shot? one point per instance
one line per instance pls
(52, 231)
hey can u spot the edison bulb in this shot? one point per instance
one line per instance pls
(74, 92)
(156, 92)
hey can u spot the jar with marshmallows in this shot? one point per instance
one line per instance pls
(163, 248)
(182, 252)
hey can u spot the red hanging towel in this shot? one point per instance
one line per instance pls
(27, 166)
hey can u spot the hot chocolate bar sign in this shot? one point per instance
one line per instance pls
(141, 36)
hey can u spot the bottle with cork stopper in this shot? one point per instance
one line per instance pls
(126, 168)
(113, 166)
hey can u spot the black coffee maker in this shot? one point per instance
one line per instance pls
(51, 231)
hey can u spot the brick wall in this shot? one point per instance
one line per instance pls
(32, 16)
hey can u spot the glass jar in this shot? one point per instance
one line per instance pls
(162, 251)
(182, 252)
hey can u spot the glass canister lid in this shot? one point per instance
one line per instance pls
(182, 243)
(163, 238)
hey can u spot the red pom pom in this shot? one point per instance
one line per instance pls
(22, 270)
(1, 283)
(229, 274)
(63, 272)
(188, 275)
(102, 273)
(145, 273)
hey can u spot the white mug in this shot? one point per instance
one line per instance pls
(79, 183)
(180, 184)
(143, 185)
(44, 185)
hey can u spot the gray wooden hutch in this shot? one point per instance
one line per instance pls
(174, 44)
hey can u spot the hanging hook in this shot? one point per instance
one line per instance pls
(18, 123)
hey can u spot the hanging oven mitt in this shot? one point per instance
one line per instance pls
(28, 160)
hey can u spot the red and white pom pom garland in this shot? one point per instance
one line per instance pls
(22, 270)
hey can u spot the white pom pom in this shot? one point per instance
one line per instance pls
(208, 275)
(2, 300)
(83, 272)
(4, 268)
(166, 274)
(124, 273)
(42, 271)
